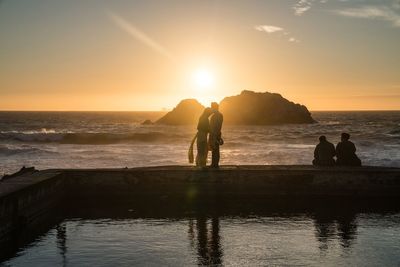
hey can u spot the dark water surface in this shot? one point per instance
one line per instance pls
(342, 234)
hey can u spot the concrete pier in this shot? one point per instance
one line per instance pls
(239, 181)
(25, 199)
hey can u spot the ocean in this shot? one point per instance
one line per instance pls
(117, 139)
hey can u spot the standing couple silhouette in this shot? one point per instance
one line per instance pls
(208, 137)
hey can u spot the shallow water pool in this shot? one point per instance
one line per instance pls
(300, 238)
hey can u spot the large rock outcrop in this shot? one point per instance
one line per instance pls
(251, 108)
(186, 112)
(248, 108)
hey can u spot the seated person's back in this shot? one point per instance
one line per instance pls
(346, 152)
(324, 153)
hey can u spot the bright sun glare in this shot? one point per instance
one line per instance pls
(203, 79)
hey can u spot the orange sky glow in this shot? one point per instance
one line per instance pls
(149, 55)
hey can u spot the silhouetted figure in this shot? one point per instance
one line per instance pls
(203, 128)
(324, 153)
(346, 152)
(215, 139)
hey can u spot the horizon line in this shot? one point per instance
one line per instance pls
(316, 110)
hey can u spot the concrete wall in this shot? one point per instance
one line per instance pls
(27, 200)
(237, 182)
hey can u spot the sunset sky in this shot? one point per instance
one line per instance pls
(148, 55)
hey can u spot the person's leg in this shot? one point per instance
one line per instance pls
(204, 154)
(215, 156)
(197, 154)
(201, 150)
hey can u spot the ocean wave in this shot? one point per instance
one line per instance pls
(395, 132)
(41, 131)
(89, 138)
(8, 151)
(235, 144)
(331, 123)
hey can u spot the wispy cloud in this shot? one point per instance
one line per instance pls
(388, 10)
(268, 28)
(293, 40)
(271, 29)
(373, 12)
(138, 34)
(302, 6)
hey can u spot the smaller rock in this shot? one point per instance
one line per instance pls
(23, 170)
(147, 122)
(187, 112)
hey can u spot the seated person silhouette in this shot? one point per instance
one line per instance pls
(324, 153)
(346, 152)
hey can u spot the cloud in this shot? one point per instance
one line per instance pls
(372, 12)
(138, 35)
(293, 40)
(302, 6)
(268, 28)
(271, 29)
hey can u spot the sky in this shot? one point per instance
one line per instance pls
(149, 55)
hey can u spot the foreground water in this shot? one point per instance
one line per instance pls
(300, 239)
(117, 139)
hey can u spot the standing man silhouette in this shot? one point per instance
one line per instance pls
(215, 139)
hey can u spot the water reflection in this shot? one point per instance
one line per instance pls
(62, 242)
(205, 239)
(276, 230)
(208, 243)
(347, 230)
(331, 226)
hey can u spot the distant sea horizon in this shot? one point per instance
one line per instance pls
(167, 110)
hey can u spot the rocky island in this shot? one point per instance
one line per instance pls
(248, 108)
(186, 112)
(251, 108)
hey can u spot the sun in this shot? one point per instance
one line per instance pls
(203, 79)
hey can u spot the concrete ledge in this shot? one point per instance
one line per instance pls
(238, 181)
(25, 200)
